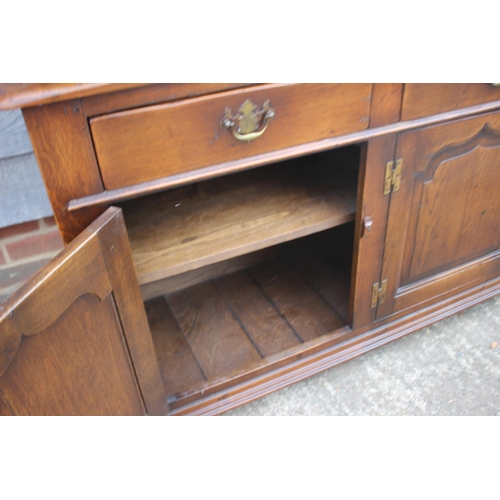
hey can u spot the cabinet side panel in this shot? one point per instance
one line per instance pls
(64, 151)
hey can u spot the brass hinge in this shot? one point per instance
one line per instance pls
(378, 293)
(393, 176)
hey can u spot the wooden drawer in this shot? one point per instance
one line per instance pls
(423, 99)
(160, 141)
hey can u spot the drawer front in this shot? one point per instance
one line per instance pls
(160, 141)
(423, 99)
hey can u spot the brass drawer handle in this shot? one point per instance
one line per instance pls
(249, 123)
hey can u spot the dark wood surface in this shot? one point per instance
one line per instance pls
(423, 99)
(186, 229)
(435, 240)
(228, 167)
(306, 310)
(67, 339)
(386, 104)
(21, 95)
(442, 231)
(316, 358)
(150, 143)
(65, 154)
(205, 273)
(327, 267)
(178, 366)
(244, 298)
(220, 269)
(159, 93)
(115, 249)
(369, 246)
(213, 331)
(71, 368)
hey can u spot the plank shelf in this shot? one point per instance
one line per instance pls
(194, 226)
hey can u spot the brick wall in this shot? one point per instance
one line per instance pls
(25, 248)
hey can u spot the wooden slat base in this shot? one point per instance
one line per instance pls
(215, 333)
(333, 351)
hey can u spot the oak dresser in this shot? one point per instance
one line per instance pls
(227, 240)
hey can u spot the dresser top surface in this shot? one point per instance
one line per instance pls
(21, 95)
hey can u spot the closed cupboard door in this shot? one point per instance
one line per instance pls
(75, 339)
(443, 232)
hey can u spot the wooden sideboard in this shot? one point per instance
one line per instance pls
(258, 234)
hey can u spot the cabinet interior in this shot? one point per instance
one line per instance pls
(242, 272)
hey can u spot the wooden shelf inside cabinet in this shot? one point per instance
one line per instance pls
(218, 333)
(198, 225)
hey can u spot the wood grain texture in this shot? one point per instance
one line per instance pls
(262, 322)
(65, 154)
(386, 104)
(215, 316)
(467, 226)
(447, 283)
(69, 336)
(206, 273)
(216, 339)
(179, 368)
(29, 311)
(369, 246)
(74, 367)
(328, 271)
(422, 99)
(451, 208)
(241, 164)
(152, 94)
(21, 95)
(155, 142)
(116, 253)
(318, 358)
(185, 229)
(304, 308)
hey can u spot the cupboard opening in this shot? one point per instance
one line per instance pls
(247, 271)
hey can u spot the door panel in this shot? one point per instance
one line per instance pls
(443, 231)
(50, 376)
(73, 341)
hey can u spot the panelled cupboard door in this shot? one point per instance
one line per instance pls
(75, 339)
(443, 232)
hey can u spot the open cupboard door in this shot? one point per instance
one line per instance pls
(74, 340)
(442, 232)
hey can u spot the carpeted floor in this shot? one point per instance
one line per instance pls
(449, 368)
